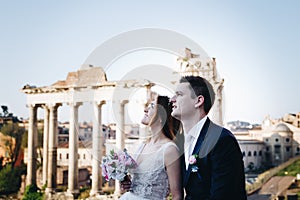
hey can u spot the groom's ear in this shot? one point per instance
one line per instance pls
(199, 101)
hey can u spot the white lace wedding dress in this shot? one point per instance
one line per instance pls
(150, 179)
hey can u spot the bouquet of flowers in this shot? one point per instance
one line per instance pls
(116, 165)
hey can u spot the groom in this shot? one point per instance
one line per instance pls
(212, 162)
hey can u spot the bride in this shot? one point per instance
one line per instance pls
(158, 171)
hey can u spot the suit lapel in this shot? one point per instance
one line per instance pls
(196, 149)
(183, 166)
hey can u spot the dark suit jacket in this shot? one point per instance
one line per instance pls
(220, 174)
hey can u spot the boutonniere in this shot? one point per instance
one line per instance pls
(193, 162)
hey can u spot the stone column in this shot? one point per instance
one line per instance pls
(143, 132)
(120, 135)
(32, 155)
(73, 187)
(45, 144)
(219, 102)
(97, 149)
(216, 111)
(52, 150)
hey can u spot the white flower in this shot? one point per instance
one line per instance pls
(117, 165)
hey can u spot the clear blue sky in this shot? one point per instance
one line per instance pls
(256, 44)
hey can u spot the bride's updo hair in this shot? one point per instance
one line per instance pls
(170, 125)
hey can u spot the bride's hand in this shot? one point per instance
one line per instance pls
(126, 183)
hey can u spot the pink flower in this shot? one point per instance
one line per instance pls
(104, 172)
(192, 159)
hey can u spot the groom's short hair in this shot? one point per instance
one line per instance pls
(200, 86)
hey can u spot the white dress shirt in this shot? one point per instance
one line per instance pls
(190, 140)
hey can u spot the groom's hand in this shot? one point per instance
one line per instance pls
(126, 183)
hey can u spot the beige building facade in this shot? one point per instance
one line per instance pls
(277, 141)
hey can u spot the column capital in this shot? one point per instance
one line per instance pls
(33, 105)
(45, 106)
(100, 103)
(123, 102)
(75, 104)
(120, 101)
(53, 105)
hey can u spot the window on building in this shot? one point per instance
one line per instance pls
(254, 153)
(287, 149)
(267, 140)
(84, 156)
(260, 153)
(78, 156)
(276, 139)
(287, 139)
(277, 149)
(298, 149)
(249, 153)
(267, 148)
(67, 156)
(243, 153)
(60, 156)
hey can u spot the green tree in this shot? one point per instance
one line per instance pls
(251, 167)
(32, 192)
(10, 179)
(5, 110)
(14, 140)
